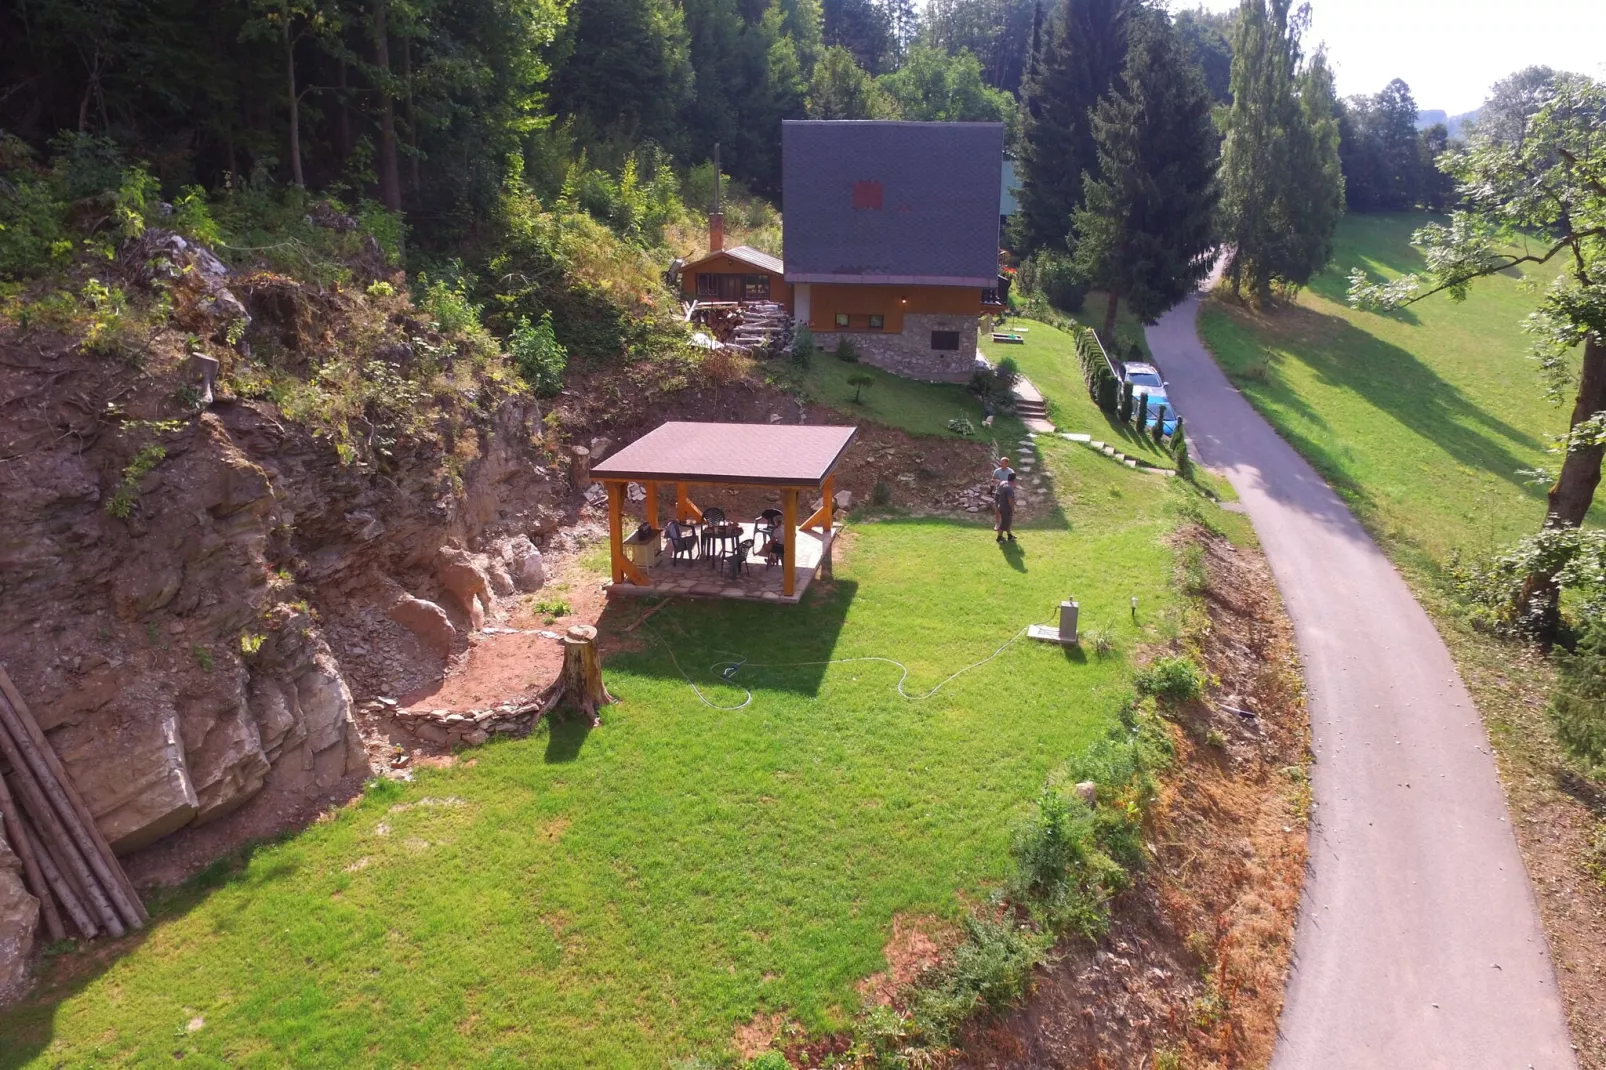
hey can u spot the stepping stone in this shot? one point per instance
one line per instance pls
(1027, 441)
(1095, 444)
(1108, 451)
(1131, 463)
(1077, 438)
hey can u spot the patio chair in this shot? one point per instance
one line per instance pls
(739, 557)
(765, 524)
(682, 539)
(713, 518)
(774, 551)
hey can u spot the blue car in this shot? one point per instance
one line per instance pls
(1145, 379)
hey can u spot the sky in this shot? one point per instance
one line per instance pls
(1450, 51)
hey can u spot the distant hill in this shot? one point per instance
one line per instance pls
(1455, 124)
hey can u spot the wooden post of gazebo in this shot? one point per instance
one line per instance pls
(789, 558)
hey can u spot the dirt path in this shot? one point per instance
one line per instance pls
(1418, 944)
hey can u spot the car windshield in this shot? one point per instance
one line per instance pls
(1144, 379)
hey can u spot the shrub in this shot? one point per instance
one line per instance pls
(990, 968)
(1007, 374)
(858, 381)
(880, 494)
(1142, 416)
(448, 305)
(121, 503)
(538, 355)
(1055, 277)
(804, 350)
(1492, 586)
(1174, 678)
(983, 384)
(1578, 705)
(961, 425)
(1102, 386)
(769, 1060)
(1159, 424)
(1125, 411)
(846, 350)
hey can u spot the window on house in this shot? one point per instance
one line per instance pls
(756, 288)
(842, 320)
(877, 322)
(990, 297)
(944, 339)
(867, 195)
(707, 284)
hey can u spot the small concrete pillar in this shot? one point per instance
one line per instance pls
(1068, 613)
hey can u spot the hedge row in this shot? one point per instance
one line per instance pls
(1102, 385)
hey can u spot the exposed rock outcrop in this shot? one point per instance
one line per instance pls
(19, 916)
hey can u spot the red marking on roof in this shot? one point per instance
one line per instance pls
(867, 195)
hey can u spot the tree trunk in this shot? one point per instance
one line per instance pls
(414, 182)
(579, 468)
(295, 105)
(343, 123)
(580, 682)
(389, 175)
(1571, 495)
(1110, 308)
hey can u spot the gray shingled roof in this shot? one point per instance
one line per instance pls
(938, 220)
(763, 261)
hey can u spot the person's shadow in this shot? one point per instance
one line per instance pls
(1014, 553)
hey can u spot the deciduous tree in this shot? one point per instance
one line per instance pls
(1535, 194)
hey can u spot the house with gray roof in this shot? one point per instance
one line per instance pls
(891, 238)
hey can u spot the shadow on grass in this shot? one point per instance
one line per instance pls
(1015, 554)
(1391, 380)
(28, 1028)
(566, 735)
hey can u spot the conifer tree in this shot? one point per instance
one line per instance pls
(1282, 187)
(1146, 231)
(1083, 50)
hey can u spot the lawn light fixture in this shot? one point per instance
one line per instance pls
(1134, 607)
(1065, 634)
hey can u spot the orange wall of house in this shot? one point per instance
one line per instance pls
(720, 264)
(893, 302)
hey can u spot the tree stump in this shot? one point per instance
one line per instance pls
(580, 682)
(579, 468)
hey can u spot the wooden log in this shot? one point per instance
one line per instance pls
(579, 684)
(51, 833)
(17, 836)
(62, 887)
(31, 724)
(74, 819)
(579, 468)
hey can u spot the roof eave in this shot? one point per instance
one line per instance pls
(978, 281)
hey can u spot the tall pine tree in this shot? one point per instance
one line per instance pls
(1147, 229)
(1282, 188)
(1080, 60)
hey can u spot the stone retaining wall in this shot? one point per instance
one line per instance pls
(909, 353)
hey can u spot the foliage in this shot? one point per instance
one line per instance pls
(961, 426)
(1124, 412)
(1530, 203)
(881, 493)
(939, 87)
(1102, 385)
(1207, 40)
(538, 355)
(858, 382)
(846, 350)
(998, 34)
(1578, 705)
(1082, 52)
(989, 969)
(121, 502)
(1493, 586)
(804, 349)
(1146, 230)
(1006, 374)
(1055, 277)
(1176, 678)
(1282, 184)
(1388, 164)
(841, 89)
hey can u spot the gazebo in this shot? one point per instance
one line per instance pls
(793, 459)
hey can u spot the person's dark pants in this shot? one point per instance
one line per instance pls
(1006, 519)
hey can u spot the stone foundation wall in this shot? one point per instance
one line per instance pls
(909, 353)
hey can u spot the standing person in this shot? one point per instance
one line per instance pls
(1002, 473)
(1004, 505)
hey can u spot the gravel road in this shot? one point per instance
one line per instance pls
(1418, 944)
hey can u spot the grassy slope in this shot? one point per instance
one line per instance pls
(919, 408)
(1048, 359)
(1421, 418)
(635, 893)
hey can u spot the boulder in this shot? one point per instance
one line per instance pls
(325, 745)
(222, 753)
(426, 620)
(19, 916)
(128, 764)
(465, 577)
(600, 448)
(844, 500)
(524, 563)
(1088, 791)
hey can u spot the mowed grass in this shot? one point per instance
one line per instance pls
(633, 894)
(919, 408)
(1424, 419)
(1048, 358)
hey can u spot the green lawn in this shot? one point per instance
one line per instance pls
(632, 894)
(1424, 418)
(1048, 359)
(919, 408)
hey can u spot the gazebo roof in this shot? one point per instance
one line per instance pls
(770, 454)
